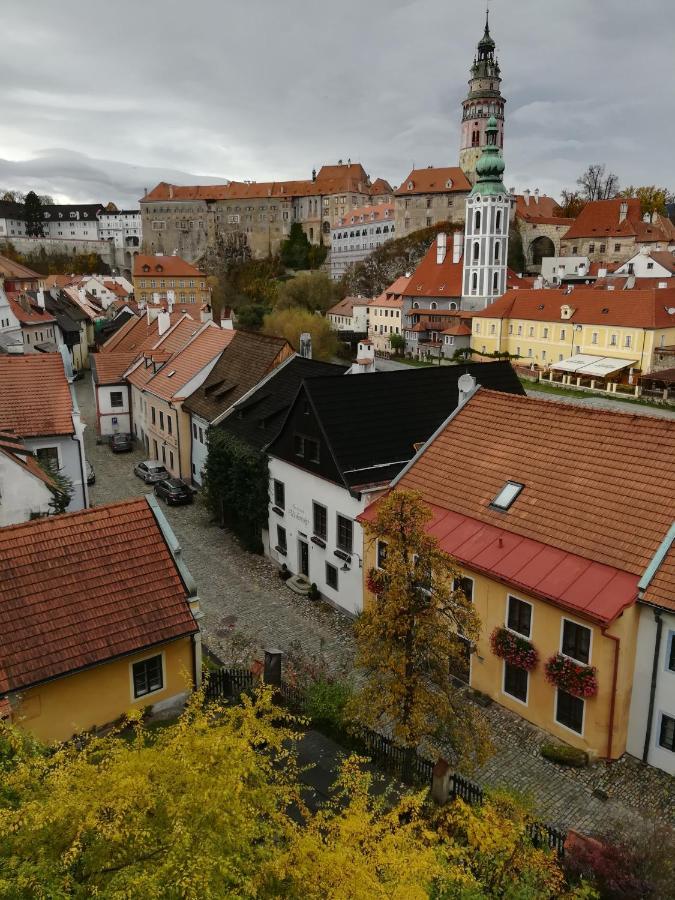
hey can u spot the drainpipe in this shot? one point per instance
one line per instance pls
(612, 704)
(652, 687)
(178, 412)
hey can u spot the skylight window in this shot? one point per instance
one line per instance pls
(507, 495)
(171, 373)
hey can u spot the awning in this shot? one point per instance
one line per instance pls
(600, 366)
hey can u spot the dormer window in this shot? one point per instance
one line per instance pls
(448, 183)
(506, 497)
(410, 185)
(159, 268)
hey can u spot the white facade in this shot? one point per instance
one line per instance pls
(642, 265)
(200, 450)
(359, 233)
(68, 453)
(10, 326)
(112, 405)
(65, 223)
(11, 227)
(22, 494)
(122, 227)
(555, 268)
(344, 321)
(486, 239)
(301, 491)
(640, 729)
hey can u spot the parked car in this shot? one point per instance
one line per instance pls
(121, 443)
(150, 471)
(174, 491)
(91, 475)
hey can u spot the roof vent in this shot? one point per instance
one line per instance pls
(605, 309)
(505, 498)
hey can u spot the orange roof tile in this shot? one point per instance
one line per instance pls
(432, 280)
(189, 361)
(79, 589)
(12, 270)
(661, 589)
(27, 311)
(109, 368)
(346, 306)
(166, 266)
(540, 210)
(376, 212)
(602, 219)
(380, 186)
(35, 395)
(635, 308)
(596, 484)
(137, 334)
(434, 181)
(458, 330)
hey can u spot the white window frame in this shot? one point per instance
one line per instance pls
(513, 697)
(562, 724)
(133, 662)
(527, 637)
(49, 446)
(579, 662)
(377, 552)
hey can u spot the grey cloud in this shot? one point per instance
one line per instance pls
(268, 90)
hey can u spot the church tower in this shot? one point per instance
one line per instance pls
(486, 232)
(483, 101)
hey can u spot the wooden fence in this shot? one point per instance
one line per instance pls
(405, 764)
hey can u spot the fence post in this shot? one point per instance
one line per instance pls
(440, 782)
(272, 670)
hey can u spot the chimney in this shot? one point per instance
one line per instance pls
(152, 313)
(536, 195)
(306, 345)
(539, 283)
(623, 211)
(582, 269)
(226, 323)
(145, 192)
(441, 247)
(170, 192)
(41, 299)
(526, 196)
(457, 246)
(163, 322)
(466, 385)
(170, 300)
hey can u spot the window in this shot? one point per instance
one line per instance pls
(531, 330)
(498, 221)
(306, 448)
(603, 247)
(474, 282)
(331, 576)
(345, 529)
(562, 334)
(670, 653)
(152, 414)
(477, 221)
(612, 340)
(667, 733)
(320, 516)
(545, 333)
(476, 251)
(508, 493)
(279, 494)
(116, 399)
(519, 616)
(627, 341)
(148, 676)
(48, 456)
(281, 539)
(591, 248)
(576, 641)
(594, 337)
(161, 420)
(170, 459)
(465, 584)
(570, 711)
(515, 682)
(381, 554)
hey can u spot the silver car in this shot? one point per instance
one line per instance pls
(150, 471)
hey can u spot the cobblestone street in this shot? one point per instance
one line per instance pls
(247, 608)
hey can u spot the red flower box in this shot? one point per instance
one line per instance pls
(375, 581)
(516, 650)
(574, 678)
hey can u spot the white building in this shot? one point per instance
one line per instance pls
(486, 235)
(651, 726)
(358, 233)
(350, 314)
(24, 486)
(649, 264)
(11, 220)
(121, 226)
(78, 223)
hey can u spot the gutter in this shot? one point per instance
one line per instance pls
(652, 686)
(612, 702)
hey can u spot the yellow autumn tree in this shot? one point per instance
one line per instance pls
(412, 635)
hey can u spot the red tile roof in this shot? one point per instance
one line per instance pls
(434, 181)
(634, 309)
(596, 502)
(458, 330)
(376, 212)
(165, 267)
(27, 311)
(35, 396)
(79, 589)
(540, 211)
(380, 186)
(346, 306)
(109, 368)
(189, 361)
(137, 334)
(14, 270)
(161, 349)
(602, 219)
(661, 589)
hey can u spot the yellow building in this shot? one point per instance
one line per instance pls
(553, 513)
(102, 621)
(548, 327)
(163, 277)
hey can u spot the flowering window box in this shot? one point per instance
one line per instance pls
(376, 581)
(572, 677)
(516, 650)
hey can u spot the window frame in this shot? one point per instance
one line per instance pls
(508, 667)
(670, 653)
(509, 598)
(576, 659)
(331, 568)
(59, 461)
(381, 548)
(162, 671)
(322, 535)
(556, 699)
(663, 718)
(278, 487)
(458, 582)
(281, 546)
(339, 545)
(113, 403)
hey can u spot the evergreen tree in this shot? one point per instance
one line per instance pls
(32, 211)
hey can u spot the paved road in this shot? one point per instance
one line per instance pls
(247, 609)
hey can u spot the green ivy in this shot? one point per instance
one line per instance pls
(236, 487)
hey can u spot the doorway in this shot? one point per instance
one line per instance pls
(303, 553)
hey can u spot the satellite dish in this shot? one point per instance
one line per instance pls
(466, 383)
(671, 311)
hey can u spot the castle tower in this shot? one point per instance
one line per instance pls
(483, 101)
(486, 232)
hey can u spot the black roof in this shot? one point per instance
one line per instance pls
(11, 210)
(373, 422)
(258, 418)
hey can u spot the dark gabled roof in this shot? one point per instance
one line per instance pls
(258, 418)
(244, 362)
(373, 422)
(11, 210)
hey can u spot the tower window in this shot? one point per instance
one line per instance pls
(497, 246)
(495, 283)
(498, 221)
(476, 251)
(474, 282)
(477, 221)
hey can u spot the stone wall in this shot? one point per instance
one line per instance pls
(422, 210)
(105, 249)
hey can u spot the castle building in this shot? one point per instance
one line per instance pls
(486, 231)
(483, 102)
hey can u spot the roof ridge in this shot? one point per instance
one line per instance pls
(53, 521)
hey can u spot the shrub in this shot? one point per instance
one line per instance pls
(565, 755)
(325, 704)
(313, 592)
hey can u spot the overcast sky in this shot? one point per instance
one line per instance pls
(99, 100)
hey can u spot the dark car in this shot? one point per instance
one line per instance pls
(150, 471)
(174, 491)
(121, 443)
